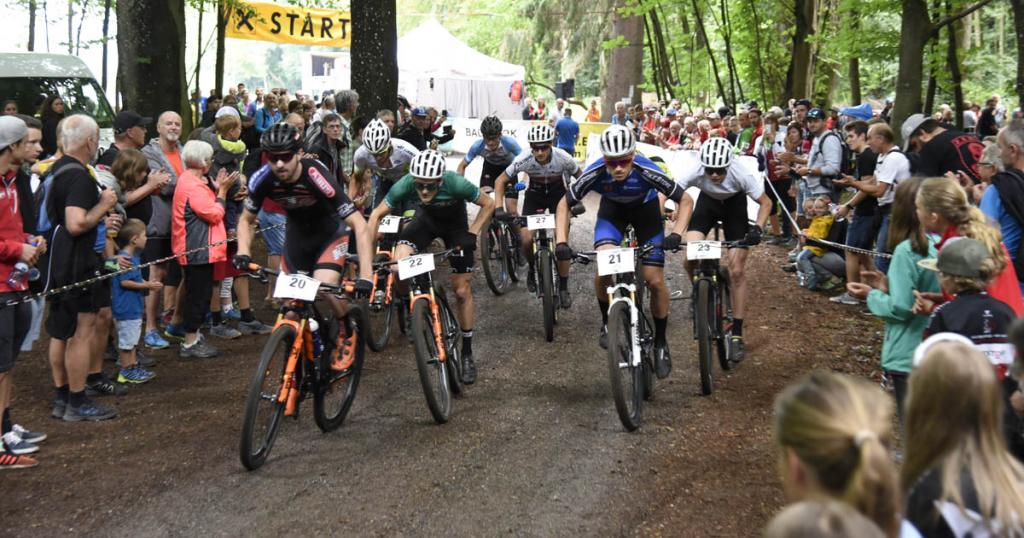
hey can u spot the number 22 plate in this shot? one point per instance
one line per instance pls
(299, 287)
(415, 265)
(614, 261)
(703, 250)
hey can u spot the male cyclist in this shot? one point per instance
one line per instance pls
(724, 186)
(629, 185)
(442, 198)
(498, 151)
(318, 214)
(382, 156)
(550, 169)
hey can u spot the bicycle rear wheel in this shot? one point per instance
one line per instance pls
(494, 259)
(262, 415)
(336, 391)
(723, 320)
(380, 317)
(433, 374)
(547, 292)
(627, 381)
(453, 341)
(703, 318)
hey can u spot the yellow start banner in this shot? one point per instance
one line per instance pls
(290, 24)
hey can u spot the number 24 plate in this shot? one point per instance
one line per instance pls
(703, 250)
(415, 265)
(389, 224)
(299, 287)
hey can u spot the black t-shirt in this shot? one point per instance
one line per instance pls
(142, 210)
(315, 203)
(108, 157)
(866, 162)
(925, 516)
(74, 188)
(951, 151)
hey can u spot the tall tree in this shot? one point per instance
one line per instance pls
(799, 81)
(106, 39)
(31, 25)
(375, 54)
(625, 58)
(222, 25)
(1018, 29)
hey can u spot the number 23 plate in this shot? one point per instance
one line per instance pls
(415, 265)
(703, 250)
(615, 260)
(299, 287)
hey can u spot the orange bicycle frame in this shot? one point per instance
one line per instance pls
(289, 391)
(442, 353)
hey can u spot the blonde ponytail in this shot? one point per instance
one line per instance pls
(946, 198)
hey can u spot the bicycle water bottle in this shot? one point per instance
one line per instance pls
(318, 346)
(378, 297)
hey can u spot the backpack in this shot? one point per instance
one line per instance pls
(45, 212)
(847, 162)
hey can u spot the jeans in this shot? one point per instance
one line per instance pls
(274, 238)
(805, 269)
(829, 265)
(882, 245)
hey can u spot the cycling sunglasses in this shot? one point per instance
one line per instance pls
(540, 147)
(283, 157)
(715, 171)
(621, 162)
(427, 187)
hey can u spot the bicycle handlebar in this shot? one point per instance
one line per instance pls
(450, 253)
(346, 288)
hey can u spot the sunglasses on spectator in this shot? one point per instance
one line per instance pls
(621, 162)
(426, 187)
(540, 147)
(715, 171)
(283, 157)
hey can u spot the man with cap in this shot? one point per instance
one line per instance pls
(940, 150)
(417, 130)
(129, 133)
(824, 159)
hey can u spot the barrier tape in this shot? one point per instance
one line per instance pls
(823, 242)
(105, 276)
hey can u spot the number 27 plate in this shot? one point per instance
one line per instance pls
(614, 261)
(299, 287)
(703, 250)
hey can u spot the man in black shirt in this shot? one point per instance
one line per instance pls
(942, 150)
(129, 132)
(864, 227)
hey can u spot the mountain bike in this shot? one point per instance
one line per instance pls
(436, 334)
(500, 254)
(296, 362)
(545, 267)
(712, 307)
(384, 305)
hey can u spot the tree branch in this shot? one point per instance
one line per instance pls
(532, 82)
(942, 23)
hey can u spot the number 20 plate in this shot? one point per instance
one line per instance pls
(415, 265)
(614, 261)
(299, 287)
(703, 250)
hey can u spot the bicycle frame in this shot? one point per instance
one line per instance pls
(416, 294)
(634, 313)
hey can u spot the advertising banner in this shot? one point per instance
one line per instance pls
(291, 24)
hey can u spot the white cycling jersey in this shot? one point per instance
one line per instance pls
(560, 168)
(739, 178)
(402, 153)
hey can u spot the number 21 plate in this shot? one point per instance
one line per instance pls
(614, 261)
(299, 287)
(415, 265)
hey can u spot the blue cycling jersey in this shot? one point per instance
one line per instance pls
(643, 184)
(501, 156)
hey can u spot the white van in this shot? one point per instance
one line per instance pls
(29, 77)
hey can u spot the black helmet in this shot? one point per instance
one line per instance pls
(280, 138)
(491, 126)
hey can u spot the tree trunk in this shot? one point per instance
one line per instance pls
(625, 62)
(78, 36)
(71, 27)
(914, 30)
(711, 55)
(931, 88)
(222, 25)
(953, 60)
(854, 76)
(197, 114)
(375, 55)
(31, 25)
(151, 56)
(106, 37)
(757, 52)
(1018, 29)
(655, 69)
(798, 79)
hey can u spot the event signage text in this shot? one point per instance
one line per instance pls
(291, 24)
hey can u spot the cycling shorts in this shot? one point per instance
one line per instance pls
(541, 196)
(732, 212)
(489, 175)
(308, 252)
(646, 219)
(424, 228)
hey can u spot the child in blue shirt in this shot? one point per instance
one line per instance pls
(127, 304)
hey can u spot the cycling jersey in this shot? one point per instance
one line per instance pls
(560, 168)
(507, 150)
(738, 180)
(402, 153)
(644, 183)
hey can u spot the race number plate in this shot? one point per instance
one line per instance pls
(614, 261)
(299, 287)
(703, 250)
(540, 222)
(389, 225)
(415, 265)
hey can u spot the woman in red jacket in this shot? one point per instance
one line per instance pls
(197, 221)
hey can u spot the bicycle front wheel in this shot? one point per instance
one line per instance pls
(627, 380)
(433, 374)
(723, 320)
(494, 260)
(703, 318)
(336, 391)
(547, 291)
(262, 415)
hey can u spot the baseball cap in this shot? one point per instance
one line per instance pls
(403, 101)
(12, 130)
(804, 102)
(909, 126)
(960, 256)
(671, 112)
(419, 111)
(815, 114)
(126, 119)
(226, 111)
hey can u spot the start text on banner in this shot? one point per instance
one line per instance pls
(291, 24)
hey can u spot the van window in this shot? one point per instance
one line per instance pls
(80, 95)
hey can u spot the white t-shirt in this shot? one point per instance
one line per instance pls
(738, 179)
(893, 167)
(401, 155)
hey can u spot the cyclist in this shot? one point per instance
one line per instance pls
(441, 213)
(549, 170)
(629, 185)
(318, 216)
(382, 156)
(724, 186)
(498, 151)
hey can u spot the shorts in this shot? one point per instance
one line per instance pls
(423, 228)
(307, 254)
(273, 238)
(862, 232)
(225, 269)
(541, 196)
(128, 333)
(732, 212)
(489, 175)
(646, 219)
(65, 308)
(15, 322)
(104, 295)
(160, 247)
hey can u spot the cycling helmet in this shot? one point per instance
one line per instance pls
(617, 141)
(427, 164)
(280, 138)
(491, 126)
(540, 134)
(377, 137)
(716, 153)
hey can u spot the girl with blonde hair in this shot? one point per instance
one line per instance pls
(959, 477)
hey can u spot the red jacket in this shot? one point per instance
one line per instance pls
(12, 231)
(1005, 286)
(197, 220)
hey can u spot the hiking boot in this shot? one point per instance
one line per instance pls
(564, 298)
(104, 386)
(845, 298)
(89, 411)
(602, 340)
(737, 349)
(11, 461)
(144, 360)
(468, 369)
(134, 374)
(14, 444)
(32, 437)
(531, 282)
(254, 327)
(662, 361)
(198, 350)
(153, 340)
(225, 331)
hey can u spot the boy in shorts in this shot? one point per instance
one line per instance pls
(127, 305)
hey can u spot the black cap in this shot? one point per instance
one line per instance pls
(815, 114)
(403, 101)
(126, 119)
(804, 102)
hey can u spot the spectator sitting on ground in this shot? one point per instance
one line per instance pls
(821, 224)
(821, 518)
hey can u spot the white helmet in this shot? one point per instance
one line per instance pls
(427, 164)
(617, 141)
(540, 134)
(377, 137)
(716, 153)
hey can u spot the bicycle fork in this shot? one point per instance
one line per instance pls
(289, 392)
(634, 316)
(435, 314)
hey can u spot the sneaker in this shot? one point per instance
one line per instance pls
(468, 369)
(174, 332)
(105, 386)
(225, 331)
(11, 461)
(167, 316)
(602, 340)
(831, 285)
(531, 282)
(254, 327)
(791, 242)
(14, 444)
(776, 240)
(144, 360)
(89, 411)
(232, 313)
(789, 268)
(59, 407)
(564, 298)
(134, 374)
(198, 350)
(662, 361)
(31, 437)
(153, 340)
(737, 349)
(845, 298)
